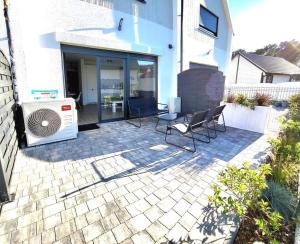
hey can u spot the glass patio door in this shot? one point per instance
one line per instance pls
(112, 84)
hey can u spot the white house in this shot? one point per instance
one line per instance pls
(255, 69)
(104, 51)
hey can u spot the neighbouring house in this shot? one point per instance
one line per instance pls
(255, 69)
(104, 51)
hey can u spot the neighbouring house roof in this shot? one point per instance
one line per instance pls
(273, 65)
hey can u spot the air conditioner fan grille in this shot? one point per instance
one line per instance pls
(43, 122)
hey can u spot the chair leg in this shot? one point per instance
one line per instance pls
(173, 144)
(139, 125)
(207, 135)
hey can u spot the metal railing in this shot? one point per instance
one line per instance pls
(276, 92)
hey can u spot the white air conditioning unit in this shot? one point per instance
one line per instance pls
(50, 121)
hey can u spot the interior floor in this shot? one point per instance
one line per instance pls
(88, 114)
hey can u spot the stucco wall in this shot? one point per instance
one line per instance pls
(200, 47)
(41, 26)
(247, 72)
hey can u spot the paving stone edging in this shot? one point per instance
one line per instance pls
(297, 232)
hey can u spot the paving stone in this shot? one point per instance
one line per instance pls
(52, 221)
(142, 237)
(92, 231)
(48, 236)
(138, 223)
(109, 222)
(181, 207)
(177, 233)
(108, 208)
(81, 222)
(152, 199)
(24, 233)
(161, 193)
(121, 233)
(107, 237)
(53, 209)
(166, 204)
(187, 221)
(77, 237)
(122, 215)
(68, 214)
(196, 210)
(95, 202)
(64, 229)
(153, 213)
(93, 216)
(8, 226)
(157, 230)
(169, 219)
(81, 209)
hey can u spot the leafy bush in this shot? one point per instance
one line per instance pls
(294, 103)
(285, 158)
(230, 98)
(281, 200)
(244, 101)
(243, 196)
(262, 99)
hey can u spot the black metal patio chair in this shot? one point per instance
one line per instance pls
(197, 121)
(140, 107)
(213, 118)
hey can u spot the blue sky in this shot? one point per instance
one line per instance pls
(257, 23)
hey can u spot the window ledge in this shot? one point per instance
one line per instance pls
(200, 29)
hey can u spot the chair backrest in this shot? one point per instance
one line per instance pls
(197, 119)
(217, 112)
(145, 103)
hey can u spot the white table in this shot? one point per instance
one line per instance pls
(114, 105)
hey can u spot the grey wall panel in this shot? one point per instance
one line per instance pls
(200, 89)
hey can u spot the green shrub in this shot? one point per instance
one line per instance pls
(243, 196)
(281, 200)
(294, 103)
(244, 101)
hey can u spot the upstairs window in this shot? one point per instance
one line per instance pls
(208, 21)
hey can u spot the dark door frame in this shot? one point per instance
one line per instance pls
(98, 54)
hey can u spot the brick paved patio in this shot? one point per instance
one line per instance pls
(120, 184)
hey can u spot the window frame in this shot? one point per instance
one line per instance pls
(214, 33)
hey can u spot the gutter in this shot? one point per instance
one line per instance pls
(181, 36)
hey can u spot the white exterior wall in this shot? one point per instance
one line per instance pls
(200, 47)
(280, 78)
(248, 73)
(41, 26)
(3, 34)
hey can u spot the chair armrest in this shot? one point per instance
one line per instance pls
(198, 124)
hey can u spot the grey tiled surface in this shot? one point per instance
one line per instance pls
(121, 184)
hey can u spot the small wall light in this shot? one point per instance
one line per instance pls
(170, 46)
(120, 24)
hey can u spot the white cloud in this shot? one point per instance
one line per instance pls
(271, 21)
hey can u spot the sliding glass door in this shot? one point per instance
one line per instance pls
(105, 79)
(112, 83)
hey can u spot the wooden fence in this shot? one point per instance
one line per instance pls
(8, 137)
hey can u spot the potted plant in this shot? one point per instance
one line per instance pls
(248, 114)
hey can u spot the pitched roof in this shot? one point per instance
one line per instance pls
(273, 65)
